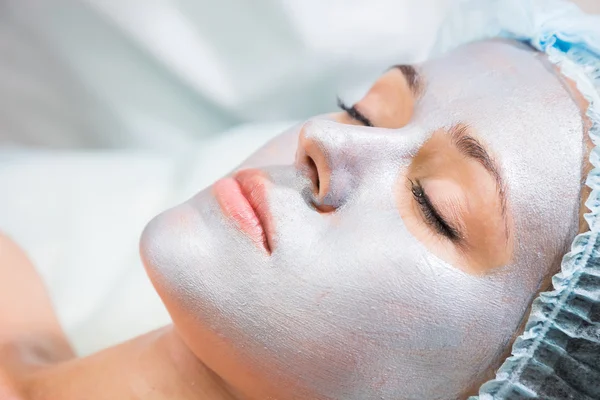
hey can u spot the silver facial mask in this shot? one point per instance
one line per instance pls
(350, 305)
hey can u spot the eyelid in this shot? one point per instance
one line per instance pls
(354, 113)
(445, 228)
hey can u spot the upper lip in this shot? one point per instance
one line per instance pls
(253, 187)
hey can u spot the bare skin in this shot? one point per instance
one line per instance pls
(37, 362)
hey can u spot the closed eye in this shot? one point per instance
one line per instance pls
(354, 113)
(432, 216)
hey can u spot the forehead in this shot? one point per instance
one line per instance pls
(486, 80)
(517, 105)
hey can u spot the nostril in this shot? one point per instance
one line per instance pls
(313, 173)
(312, 163)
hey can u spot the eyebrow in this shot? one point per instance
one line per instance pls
(412, 76)
(472, 148)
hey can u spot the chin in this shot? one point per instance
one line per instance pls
(188, 250)
(179, 243)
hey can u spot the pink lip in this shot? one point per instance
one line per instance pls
(243, 198)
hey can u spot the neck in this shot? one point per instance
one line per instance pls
(155, 366)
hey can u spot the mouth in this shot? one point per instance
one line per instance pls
(243, 199)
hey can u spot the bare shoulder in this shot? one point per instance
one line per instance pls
(28, 322)
(9, 389)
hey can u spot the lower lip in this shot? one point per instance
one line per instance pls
(242, 199)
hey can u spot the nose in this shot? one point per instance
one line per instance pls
(331, 157)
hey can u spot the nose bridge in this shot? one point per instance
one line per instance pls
(358, 148)
(342, 145)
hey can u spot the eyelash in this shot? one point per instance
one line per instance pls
(354, 113)
(432, 216)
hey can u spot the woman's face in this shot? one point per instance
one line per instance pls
(388, 261)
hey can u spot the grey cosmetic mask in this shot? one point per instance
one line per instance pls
(351, 305)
